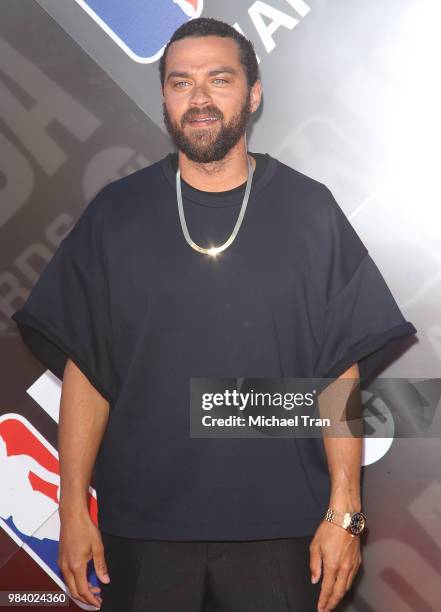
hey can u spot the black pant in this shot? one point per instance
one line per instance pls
(235, 576)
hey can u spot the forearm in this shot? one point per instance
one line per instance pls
(83, 418)
(344, 462)
(344, 449)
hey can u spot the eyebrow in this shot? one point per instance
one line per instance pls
(219, 70)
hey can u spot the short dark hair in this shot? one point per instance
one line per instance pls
(207, 26)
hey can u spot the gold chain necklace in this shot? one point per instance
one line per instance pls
(222, 247)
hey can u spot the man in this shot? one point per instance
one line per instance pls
(164, 279)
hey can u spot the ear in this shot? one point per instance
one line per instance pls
(256, 95)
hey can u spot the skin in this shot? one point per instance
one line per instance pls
(223, 94)
(83, 418)
(332, 547)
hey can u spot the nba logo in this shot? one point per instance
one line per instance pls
(141, 28)
(29, 496)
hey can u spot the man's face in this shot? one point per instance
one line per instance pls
(205, 80)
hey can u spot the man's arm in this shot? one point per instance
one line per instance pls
(332, 546)
(344, 463)
(83, 418)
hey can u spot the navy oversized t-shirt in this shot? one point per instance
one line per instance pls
(140, 312)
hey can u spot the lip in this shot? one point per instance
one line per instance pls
(203, 122)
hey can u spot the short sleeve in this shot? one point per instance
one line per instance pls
(361, 321)
(67, 311)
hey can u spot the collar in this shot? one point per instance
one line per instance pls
(231, 197)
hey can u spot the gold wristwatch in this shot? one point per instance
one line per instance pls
(353, 522)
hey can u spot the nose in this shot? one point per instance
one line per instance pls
(199, 96)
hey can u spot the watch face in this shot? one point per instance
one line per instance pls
(357, 523)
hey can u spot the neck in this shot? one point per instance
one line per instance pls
(222, 175)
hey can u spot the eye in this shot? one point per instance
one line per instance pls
(219, 79)
(179, 83)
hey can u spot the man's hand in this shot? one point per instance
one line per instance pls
(80, 541)
(341, 556)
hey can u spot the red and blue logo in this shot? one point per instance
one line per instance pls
(141, 28)
(29, 496)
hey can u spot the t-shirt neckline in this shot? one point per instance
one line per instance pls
(231, 197)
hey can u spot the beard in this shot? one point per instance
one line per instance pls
(211, 143)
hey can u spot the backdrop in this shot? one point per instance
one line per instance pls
(351, 97)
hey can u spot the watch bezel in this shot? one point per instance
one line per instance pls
(357, 517)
